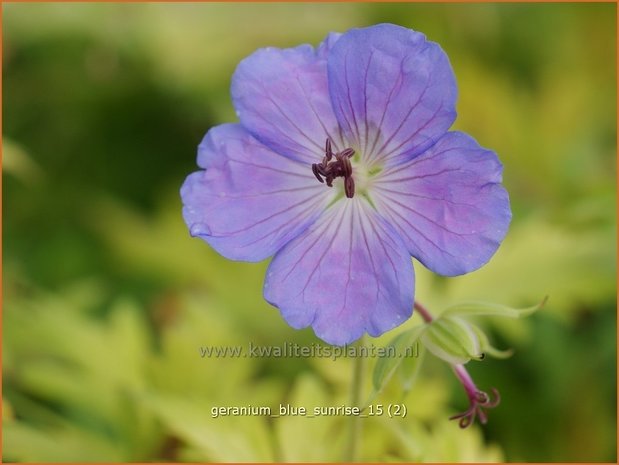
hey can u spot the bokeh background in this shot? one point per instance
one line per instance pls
(107, 300)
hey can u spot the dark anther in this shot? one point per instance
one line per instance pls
(316, 172)
(347, 153)
(328, 152)
(349, 187)
(340, 167)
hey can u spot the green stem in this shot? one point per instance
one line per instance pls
(354, 422)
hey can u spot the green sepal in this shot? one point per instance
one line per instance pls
(486, 348)
(490, 309)
(452, 339)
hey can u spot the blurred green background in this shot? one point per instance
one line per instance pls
(107, 300)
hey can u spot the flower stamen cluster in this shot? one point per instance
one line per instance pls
(332, 169)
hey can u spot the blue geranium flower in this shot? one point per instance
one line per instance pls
(342, 167)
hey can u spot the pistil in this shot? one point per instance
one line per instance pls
(478, 400)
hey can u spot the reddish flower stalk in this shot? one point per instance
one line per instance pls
(423, 312)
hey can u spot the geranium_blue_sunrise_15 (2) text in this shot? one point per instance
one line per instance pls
(342, 167)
